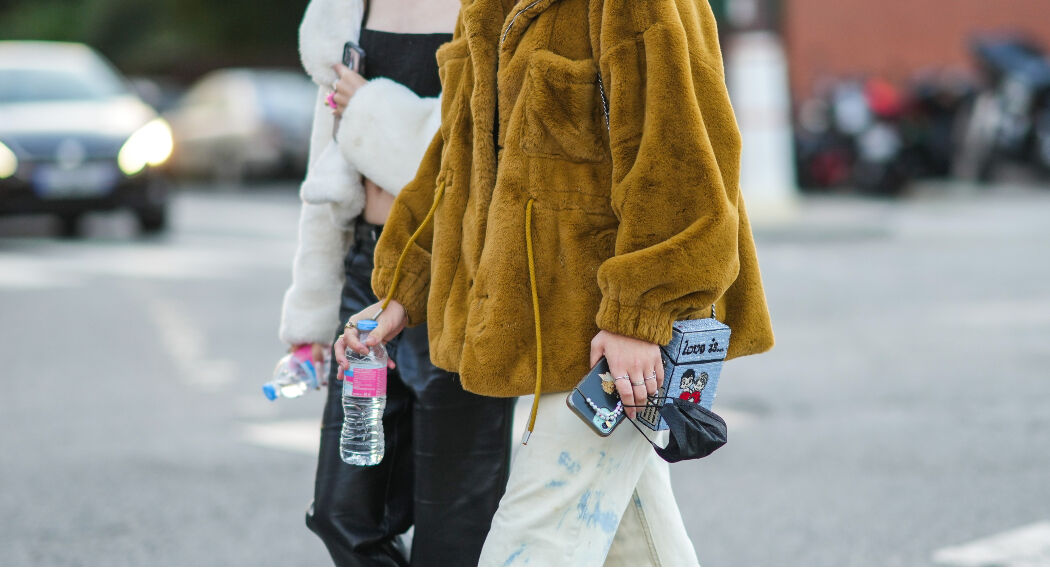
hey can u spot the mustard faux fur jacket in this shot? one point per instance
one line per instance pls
(634, 226)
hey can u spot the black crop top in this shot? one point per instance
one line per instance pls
(407, 59)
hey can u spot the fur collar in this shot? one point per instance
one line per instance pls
(327, 26)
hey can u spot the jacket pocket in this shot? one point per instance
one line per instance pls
(456, 75)
(562, 117)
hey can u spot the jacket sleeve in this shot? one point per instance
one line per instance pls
(385, 131)
(310, 313)
(409, 210)
(675, 151)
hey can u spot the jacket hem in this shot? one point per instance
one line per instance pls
(634, 321)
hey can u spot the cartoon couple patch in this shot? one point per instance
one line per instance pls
(692, 386)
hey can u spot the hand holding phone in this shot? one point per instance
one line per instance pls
(354, 57)
(601, 410)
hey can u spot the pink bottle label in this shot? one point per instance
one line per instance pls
(304, 353)
(366, 382)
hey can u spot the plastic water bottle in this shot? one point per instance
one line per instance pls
(296, 374)
(364, 398)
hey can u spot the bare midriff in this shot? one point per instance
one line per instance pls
(377, 203)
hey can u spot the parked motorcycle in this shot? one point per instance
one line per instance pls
(881, 165)
(1009, 118)
(850, 135)
(931, 124)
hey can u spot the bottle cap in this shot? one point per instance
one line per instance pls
(366, 325)
(270, 391)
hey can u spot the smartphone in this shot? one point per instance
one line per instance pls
(591, 387)
(354, 57)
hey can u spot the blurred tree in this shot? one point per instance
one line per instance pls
(179, 38)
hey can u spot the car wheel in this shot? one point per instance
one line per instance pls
(69, 225)
(153, 219)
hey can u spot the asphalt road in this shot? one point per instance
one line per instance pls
(903, 413)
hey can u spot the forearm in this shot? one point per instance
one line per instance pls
(675, 184)
(310, 313)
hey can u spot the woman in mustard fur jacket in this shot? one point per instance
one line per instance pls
(581, 196)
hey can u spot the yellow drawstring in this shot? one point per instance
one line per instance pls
(401, 260)
(532, 283)
(536, 319)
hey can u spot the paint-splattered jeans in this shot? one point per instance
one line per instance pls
(575, 498)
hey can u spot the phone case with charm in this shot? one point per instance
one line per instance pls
(606, 418)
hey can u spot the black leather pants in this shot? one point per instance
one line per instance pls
(446, 462)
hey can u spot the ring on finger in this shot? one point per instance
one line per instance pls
(625, 376)
(633, 384)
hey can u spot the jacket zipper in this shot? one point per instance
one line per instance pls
(499, 52)
(511, 24)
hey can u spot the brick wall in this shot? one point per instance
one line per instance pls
(896, 38)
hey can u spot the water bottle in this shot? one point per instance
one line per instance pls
(364, 398)
(296, 374)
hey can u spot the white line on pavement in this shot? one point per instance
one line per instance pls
(296, 435)
(18, 272)
(187, 346)
(1027, 546)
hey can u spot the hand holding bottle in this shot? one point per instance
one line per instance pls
(390, 323)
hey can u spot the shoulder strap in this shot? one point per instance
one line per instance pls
(605, 102)
(596, 51)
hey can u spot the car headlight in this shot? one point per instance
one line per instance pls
(8, 162)
(149, 145)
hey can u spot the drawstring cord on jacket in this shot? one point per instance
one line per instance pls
(404, 253)
(536, 319)
(532, 285)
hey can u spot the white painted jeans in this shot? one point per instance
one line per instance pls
(575, 498)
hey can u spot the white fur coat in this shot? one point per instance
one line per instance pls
(383, 134)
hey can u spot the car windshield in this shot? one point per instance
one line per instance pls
(284, 96)
(28, 84)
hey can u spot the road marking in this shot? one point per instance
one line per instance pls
(1019, 313)
(295, 435)
(1027, 546)
(187, 346)
(58, 265)
(24, 273)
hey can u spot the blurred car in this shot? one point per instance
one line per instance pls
(74, 138)
(239, 123)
